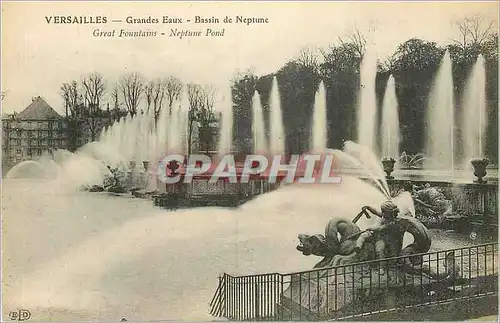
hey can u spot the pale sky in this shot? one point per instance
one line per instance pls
(38, 57)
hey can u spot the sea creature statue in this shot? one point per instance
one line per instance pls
(431, 204)
(379, 242)
(115, 182)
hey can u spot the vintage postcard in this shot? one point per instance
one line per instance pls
(237, 161)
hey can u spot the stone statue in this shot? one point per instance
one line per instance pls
(431, 205)
(378, 242)
(116, 182)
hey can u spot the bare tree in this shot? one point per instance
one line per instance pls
(474, 30)
(132, 86)
(201, 103)
(115, 98)
(72, 99)
(308, 57)
(115, 101)
(173, 88)
(72, 96)
(356, 40)
(155, 92)
(93, 93)
(345, 54)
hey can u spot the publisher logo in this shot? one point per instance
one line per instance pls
(20, 315)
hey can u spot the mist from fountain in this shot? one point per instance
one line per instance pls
(390, 121)
(258, 128)
(28, 169)
(277, 132)
(367, 102)
(319, 133)
(474, 116)
(440, 145)
(105, 239)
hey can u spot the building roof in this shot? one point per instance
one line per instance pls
(38, 110)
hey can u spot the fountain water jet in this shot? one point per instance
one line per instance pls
(440, 120)
(390, 121)
(258, 128)
(277, 132)
(226, 127)
(474, 117)
(319, 129)
(367, 101)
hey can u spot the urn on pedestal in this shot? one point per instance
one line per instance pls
(479, 165)
(388, 164)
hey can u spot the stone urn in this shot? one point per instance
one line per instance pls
(479, 165)
(388, 164)
(145, 164)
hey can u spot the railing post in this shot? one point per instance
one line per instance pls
(222, 295)
(257, 299)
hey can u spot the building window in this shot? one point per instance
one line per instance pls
(30, 134)
(39, 151)
(18, 151)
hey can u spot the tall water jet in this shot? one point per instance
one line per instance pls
(367, 102)
(174, 140)
(474, 117)
(162, 127)
(390, 121)
(440, 119)
(319, 129)
(258, 129)
(277, 132)
(179, 125)
(226, 126)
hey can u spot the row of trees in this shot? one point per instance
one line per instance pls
(413, 65)
(84, 103)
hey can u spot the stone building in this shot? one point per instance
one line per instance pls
(35, 131)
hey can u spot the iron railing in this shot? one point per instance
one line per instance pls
(362, 289)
